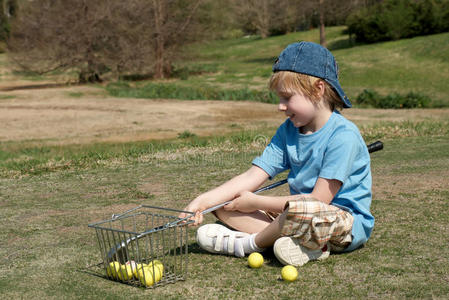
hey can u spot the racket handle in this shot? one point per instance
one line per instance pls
(376, 146)
(265, 188)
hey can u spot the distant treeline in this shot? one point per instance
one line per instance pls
(397, 19)
(106, 39)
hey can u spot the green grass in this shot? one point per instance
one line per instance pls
(46, 244)
(17, 159)
(417, 65)
(75, 94)
(177, 91)
(28, 75)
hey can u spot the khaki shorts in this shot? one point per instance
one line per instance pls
(316, 224)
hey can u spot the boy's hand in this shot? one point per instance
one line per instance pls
(245, 202)
(197, 209)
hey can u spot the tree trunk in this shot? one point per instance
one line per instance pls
(322, 31)
(264, 20)
(159, 40)
(89, 74)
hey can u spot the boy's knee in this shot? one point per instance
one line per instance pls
(304, 204)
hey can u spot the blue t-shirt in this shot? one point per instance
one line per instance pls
(336, 151)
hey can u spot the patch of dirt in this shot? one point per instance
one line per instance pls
(117, 209)
(151, 187)
(52, 116)
(56, 116)
(404, 183)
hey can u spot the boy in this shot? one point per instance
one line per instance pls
(329, 178)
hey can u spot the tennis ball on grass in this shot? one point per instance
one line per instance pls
(113, 269)
(147, 277)
(289, 273)
(255, 260)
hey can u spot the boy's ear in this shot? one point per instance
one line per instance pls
(320, 87)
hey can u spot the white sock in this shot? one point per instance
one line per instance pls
(246, 245)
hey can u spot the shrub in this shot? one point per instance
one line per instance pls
(396, 19)
(395, 100)
(8, 9)
(186, 134)
(183, 72)
(368, 97)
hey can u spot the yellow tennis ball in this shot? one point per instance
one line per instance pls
(147, 277)
(255, 260)
(157, 274)
(113, 269)
(157, 264)
(126, 272)
(289, 273)
(136, 270)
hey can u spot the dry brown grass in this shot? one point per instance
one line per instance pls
(52, 116)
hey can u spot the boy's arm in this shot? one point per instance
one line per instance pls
(249, 180)
(324, 191)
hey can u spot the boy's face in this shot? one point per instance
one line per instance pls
(299, 108)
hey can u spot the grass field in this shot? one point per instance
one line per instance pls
(46, 244)
(418, 65)
(52, 188)
(235, 67)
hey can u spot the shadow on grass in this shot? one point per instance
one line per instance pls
(343, 44)
(269, 257)
(93, 270)
(195, 248)
(263, 60)
(99, 274)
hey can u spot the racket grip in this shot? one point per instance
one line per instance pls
(376, 146)
(268, 187)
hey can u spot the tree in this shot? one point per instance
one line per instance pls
(265, 17)
(396, 19)
(322, 31)
(8, 10)
(103, 36)
(268, 17)
(172, 19)
(333, 12)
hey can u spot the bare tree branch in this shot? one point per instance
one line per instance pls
(103, 36)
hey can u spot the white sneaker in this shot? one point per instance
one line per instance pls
(289, 252)
(216, 238)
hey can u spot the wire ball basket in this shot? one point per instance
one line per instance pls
(146, 246)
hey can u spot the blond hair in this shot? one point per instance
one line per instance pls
(287, 84)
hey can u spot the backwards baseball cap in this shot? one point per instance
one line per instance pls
(311, 59)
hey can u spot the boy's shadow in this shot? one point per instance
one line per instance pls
(268, 255)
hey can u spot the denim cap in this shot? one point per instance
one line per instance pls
(311, 59)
